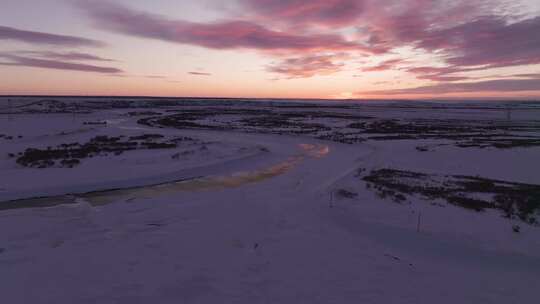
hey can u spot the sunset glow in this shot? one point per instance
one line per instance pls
(341, 49)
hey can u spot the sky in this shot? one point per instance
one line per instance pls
(342, 49)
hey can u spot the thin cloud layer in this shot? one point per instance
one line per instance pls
(16, 60)
(66, 60)
(499, 85)
(10, 33)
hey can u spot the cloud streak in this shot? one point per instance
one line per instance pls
(199, 74)
(385, 65)
(16, 60)
(10, 33)
(68, 56)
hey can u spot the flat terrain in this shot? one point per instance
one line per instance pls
(119, 200)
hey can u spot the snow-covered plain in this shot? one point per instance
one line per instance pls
(264, 204)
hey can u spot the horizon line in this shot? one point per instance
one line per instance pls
(532, 99)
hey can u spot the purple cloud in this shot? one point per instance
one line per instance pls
(15, 60)
(9, 33)
(475, 44)
(467, 44)
(465, 35)
(218, 35)
(489, 41)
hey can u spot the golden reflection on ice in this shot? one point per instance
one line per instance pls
(234, 180)
(316, 151)
(199, 184)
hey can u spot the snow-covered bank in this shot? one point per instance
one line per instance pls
(278, 218)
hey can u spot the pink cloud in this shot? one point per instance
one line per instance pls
(218, 35)
(385, 65)
(392, 23)
(464, 35)
(315, 12)
(444, 74)
(308, 66)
